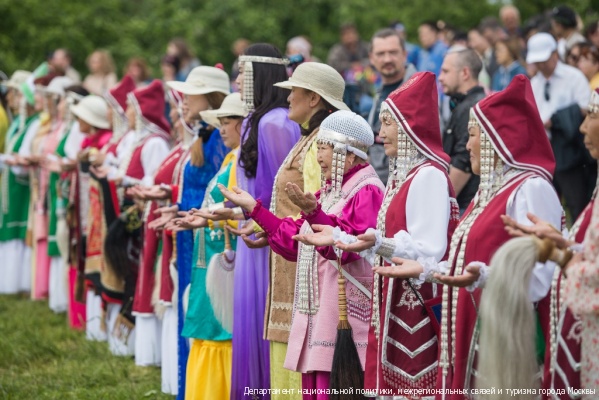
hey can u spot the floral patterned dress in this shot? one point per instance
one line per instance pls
(582, 296)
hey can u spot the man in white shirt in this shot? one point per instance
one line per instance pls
(562, 94)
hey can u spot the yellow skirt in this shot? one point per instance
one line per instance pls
(209, 370)
(281, 378)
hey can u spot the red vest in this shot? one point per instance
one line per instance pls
(404, 355)
(562, 368)
(486, 235)
(135, 168)
(142, 302)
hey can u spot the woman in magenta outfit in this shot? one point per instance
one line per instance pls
(349, 201)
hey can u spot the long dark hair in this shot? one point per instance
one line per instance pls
(266, 97)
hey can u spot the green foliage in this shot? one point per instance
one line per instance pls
(30, 29)
(43, 359)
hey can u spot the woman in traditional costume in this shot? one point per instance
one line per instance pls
(92, 116)
(204, 88)
(348, 199)
(514, 182)
(570, 358)
(14, 195)
(416, 221)
(209, 317)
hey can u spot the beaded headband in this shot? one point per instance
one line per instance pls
(248, 75)
(333, 138)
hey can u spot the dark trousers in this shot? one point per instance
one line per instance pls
(576, 186)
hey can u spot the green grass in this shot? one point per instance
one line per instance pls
(41, 358)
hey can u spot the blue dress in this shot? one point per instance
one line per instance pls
(195, 181)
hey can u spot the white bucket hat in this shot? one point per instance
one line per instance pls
(58, 85)
(232, 107)
(203, 80)
(17, 79)
(93, 110)
(320, 78)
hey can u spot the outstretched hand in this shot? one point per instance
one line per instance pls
(239, 197)
(322, 236)
(401, 268)
(260, 241)
(305, 201)
(364, 242)
(540, 228)
(470, 275)
(166, 214)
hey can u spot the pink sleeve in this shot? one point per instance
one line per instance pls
(582, 288)
(582, 284)
(359, 214)
(279, 231)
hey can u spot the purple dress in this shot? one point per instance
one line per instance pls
(251, 365)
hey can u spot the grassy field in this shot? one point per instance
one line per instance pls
(41, 358)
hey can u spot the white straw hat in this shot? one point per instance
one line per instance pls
(203, 80)
(321, 79)
(59, 84)
(232, 106)
(93, 110)
(17, 79)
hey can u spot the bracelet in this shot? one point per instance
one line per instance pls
(387, 248)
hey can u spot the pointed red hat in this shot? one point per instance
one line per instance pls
(415, 105)
(513, 123)
(117, 96)
(149, 102)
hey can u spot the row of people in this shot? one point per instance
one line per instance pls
(274, 164)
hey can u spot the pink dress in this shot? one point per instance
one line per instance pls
(315, 312)
(582, 297)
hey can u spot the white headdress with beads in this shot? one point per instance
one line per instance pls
(248, 75)
(345, 131)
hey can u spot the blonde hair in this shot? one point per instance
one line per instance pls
(507, 347)
(106, 61)
(215, 100)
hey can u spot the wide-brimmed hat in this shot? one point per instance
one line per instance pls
(321, 79)
(58, 85)
(203, 80)
(93, 110)
(17, 79)
(232, 106)
(540, 47)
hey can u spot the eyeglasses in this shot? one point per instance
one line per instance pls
(547, 94)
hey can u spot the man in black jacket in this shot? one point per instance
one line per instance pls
(459, 80)
(388, 56)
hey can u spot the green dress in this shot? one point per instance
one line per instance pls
(14, 189)
(200, 322)
(56, 200)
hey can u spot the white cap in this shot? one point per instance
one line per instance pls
(203, 80)
(232, 106)
(540, 47)
(93, 110)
